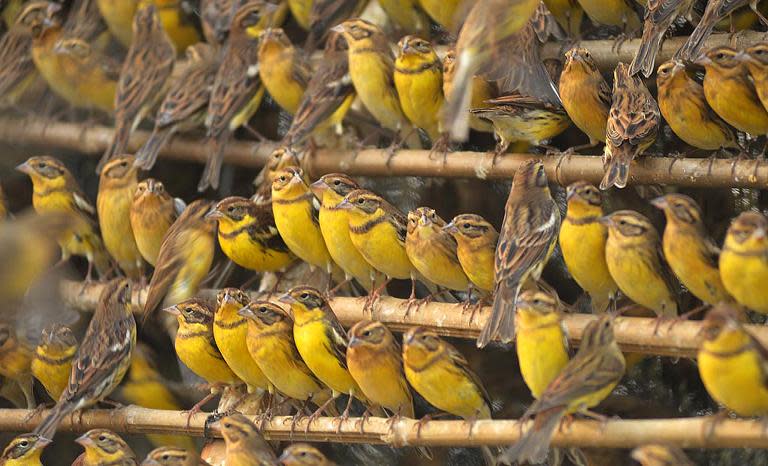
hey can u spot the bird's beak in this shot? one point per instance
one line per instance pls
(84, 441)
(659, 203)
(760, 233)
(44, 441)
(296, 178)
(569, 193)
(246, 311)
(703, 61)
(424, 220)
(173, 310)
(743, 57)
(25, 168)
(340, 28)
(605, 220)
(318, 188)
(286, 298)
(407, 47)
(214, 214)
(345, 204)
(451, 229)
(353, 342)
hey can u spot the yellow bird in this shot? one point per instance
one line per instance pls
(732, 364)
(118, 14)
(15, 362)
(82, 74)
(443, 12)
(612, 13)
(569, 15)
(152, 213)
(178, 22)
(542, 346)
(24, 450)
(407, 16)
(300, 10)
(284, 69)
(482, 91)
(585, 94)
(245, 444)
(690, 252)
(302, 454)
(52, 361)
(743, 263)
(248, 235)
(756, 60)
(104, 447)
(634, 258)
(476, 248)
(117, 186)
(582, 242)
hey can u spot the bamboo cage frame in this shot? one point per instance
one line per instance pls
(684, 432)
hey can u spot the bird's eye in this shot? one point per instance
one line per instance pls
(227, 425)
(536, 302)
(304, 295)
(123, 163)
(336, 182)
(720, 56)
(166, 457)
(230, 209)
(102, 438)
(263, 310)
(303, 453)
(282, 177)
(42, 165)
(466, 226)
(367, 333)
(361, 201)
(24, 443)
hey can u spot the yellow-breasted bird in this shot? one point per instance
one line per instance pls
(443, 12)
(24, 450)
(178, 21)
(541, 342)
(481, 92)
(82, 74)
(184, 106)
(408, 16)
(322, 342)
(690, 252)
(476, 248)
(636, 263)
(248, 235)
(657, 454)
(583, 383)
(117, 186)
(419, 84)
(732, 364)
(144, 386)
(585, 94)
(756, 59)
(685, 108)
(104, 447)
(296, 211)
(743, 266)
(143, 78)
(659, 15)
(152, 213)
(375, 361)
(328, 96)
(582, 242)
(325, 14)
(15, 361)
(230, 330)
(730, 92)
(633, 123)
(331, 189)
(102, 359)
(371, 68)
(52, 361)
(245, 444)
(302, 454)
(56, 191)
(45, 25)
(237, 89)
(173, 456)
(270, 344)
(284, 69)
(185, 257)
(612, 13)
(432, 251)
(527, 239)
(487, 30)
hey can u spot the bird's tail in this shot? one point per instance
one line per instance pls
(47, 428)
(147, 155)
(690, 50)
(617, 168)
(534, 444)
(212, 170)
(118, 145)
(645, 57)
(502, 321)
(456, 109)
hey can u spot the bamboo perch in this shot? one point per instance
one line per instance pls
(690, 172)
(683, 432)
(634, 334)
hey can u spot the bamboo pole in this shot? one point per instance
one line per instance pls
(634, 334)
(684, 432)
(691, 172)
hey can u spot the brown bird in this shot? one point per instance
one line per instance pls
(143, 78)
(659, 15)
(216, 18)
(633, 123)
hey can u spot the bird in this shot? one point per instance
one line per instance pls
(487, 29)
(418, 76)
(302, 454)
(659, 16)
(588, 378)
(432, 251)
(619, 13)
(102, 359)
(56, 191)
(446, 13)
(271, 345)
(152, 213)
(117, 186)
(104, 447)
(409, 16)
(52, 360)
(230, 330)
(585, 94)
(375, 361)
(690, 252)
(569, 15)
(582, 241)
(636, 262)
(216, 19)
(756, 60)
(184, 105)
(248, 235)
(185, 257)
(118, 14)
(18, 69)
(730, 91)
(245, 444)
(732, 363)
(328, 95)
(179, 23)
(714, 12)
(324, 14)
(24, 450)
(633, 123)
(526, 241)
(143, 79)
(300, 10)
(684, 107)
(742, 268)
(172, 456)
(331, 189)
(476, 241)
(15, 362)
(284, 70)
(481, 92)
(657, 454)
